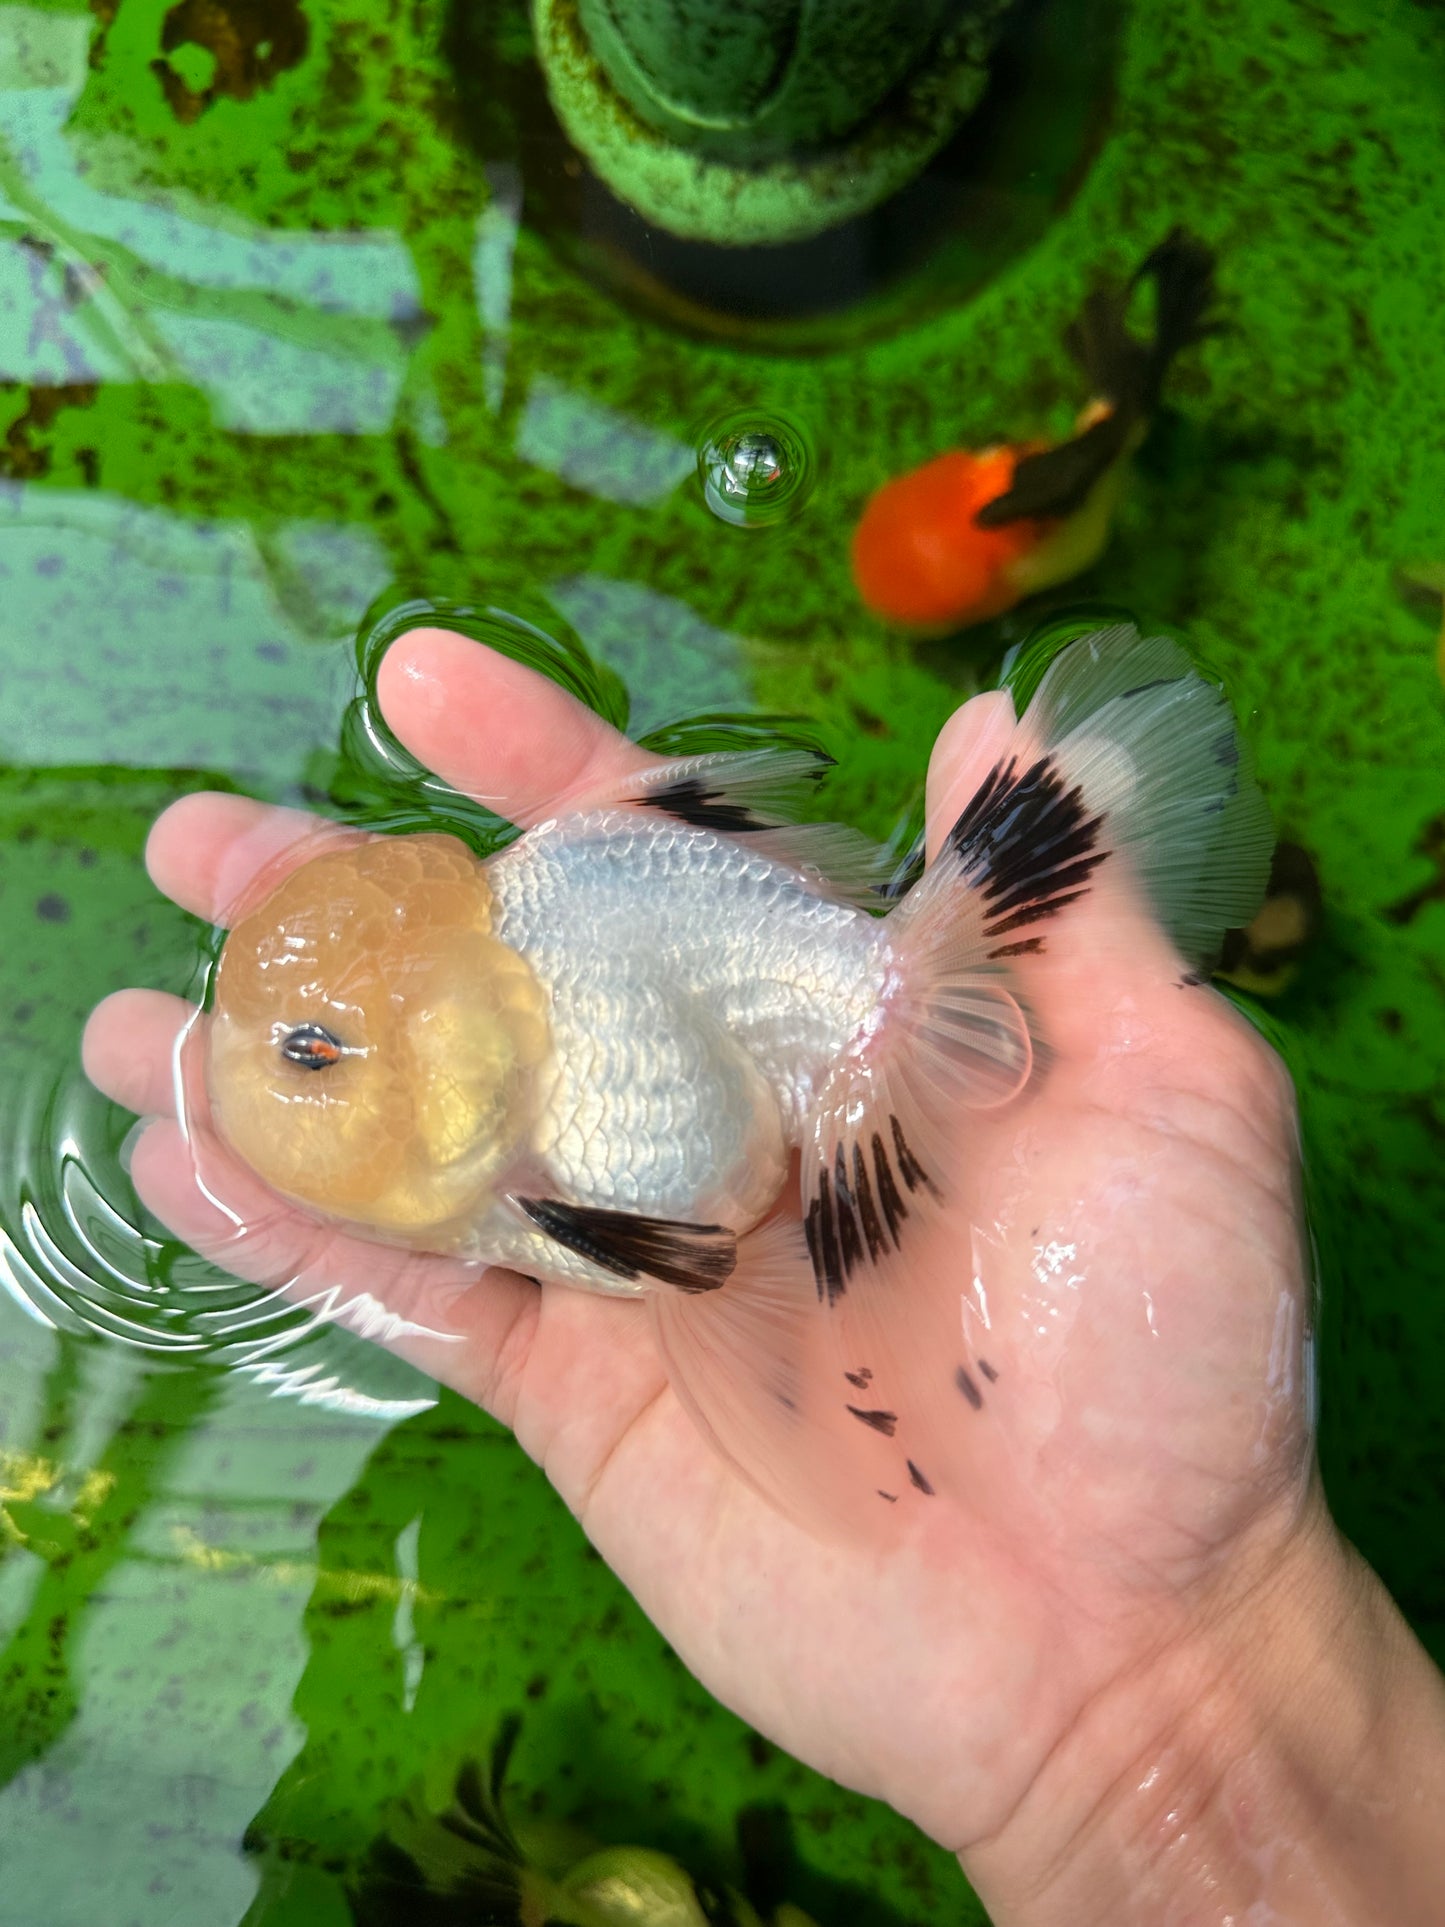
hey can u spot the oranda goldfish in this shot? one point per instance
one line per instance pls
(595, 1055)
(971, 533)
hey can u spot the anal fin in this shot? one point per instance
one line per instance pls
(760, 1368)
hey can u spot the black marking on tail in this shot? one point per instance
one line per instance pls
(860, 1380)
(858, 1214)
(970, 1391)
(918, 1479)
(1027, 843)
(884, 1422)
(693, 1257)
(988, 1371)
(891, 1497)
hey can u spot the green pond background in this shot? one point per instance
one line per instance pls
(284, 334)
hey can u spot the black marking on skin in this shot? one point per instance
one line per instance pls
(891, 1497)
(860, 1379)
(1191, 980)
(1027, 844)
(313, 1047)
(970, 1391)
(1025, 947)
(884, 1422)
(693, 1257)
(988, 1371)
(918, 1479)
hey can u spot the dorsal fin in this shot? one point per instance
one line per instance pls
(756, 796)
(739, 792)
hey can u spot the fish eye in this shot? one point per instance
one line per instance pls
(312, 1046)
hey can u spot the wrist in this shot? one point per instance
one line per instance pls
(1278, 1754)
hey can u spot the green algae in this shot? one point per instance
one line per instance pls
(225, 431)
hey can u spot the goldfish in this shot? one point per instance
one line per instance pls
(596, 1055)
(973, 532)
(468, 1862)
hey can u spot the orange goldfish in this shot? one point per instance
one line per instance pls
(973, 532)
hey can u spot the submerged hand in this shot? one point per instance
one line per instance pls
(1143, 1512)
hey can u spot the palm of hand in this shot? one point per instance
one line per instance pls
(1135, 1236)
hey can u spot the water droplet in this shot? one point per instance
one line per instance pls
(755, 469)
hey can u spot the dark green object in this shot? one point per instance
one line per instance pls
(748, 121)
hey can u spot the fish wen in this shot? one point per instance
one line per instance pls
(601, 1055)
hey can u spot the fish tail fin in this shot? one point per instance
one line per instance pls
(465, 1858)
(1123, 369)
(1151, 747)
(760, 1369)
(1126, 761)
(1182, 270)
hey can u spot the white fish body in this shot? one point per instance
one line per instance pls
(699, 992)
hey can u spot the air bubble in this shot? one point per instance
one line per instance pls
(756, 470)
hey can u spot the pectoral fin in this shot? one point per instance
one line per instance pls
(691, 1257)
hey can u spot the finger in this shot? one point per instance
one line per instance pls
(207, 851)
(462, 1325)
(129, 1049)
(500, 732)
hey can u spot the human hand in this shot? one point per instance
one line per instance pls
(1139, 1470)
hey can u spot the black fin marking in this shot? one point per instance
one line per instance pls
(708, 806)
(843, 1220)
(884, 1422)
(850, 1241)
(1143, 688)
(860, 1380)
(1027, 844)
(1126, 372)
(894, 1209)
(693, 1257)
(910, 1170)
(988, 1371)
(867, 1209)
(821, 1233)
(891, 1497)
(970, 1391)
(918, 1479)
